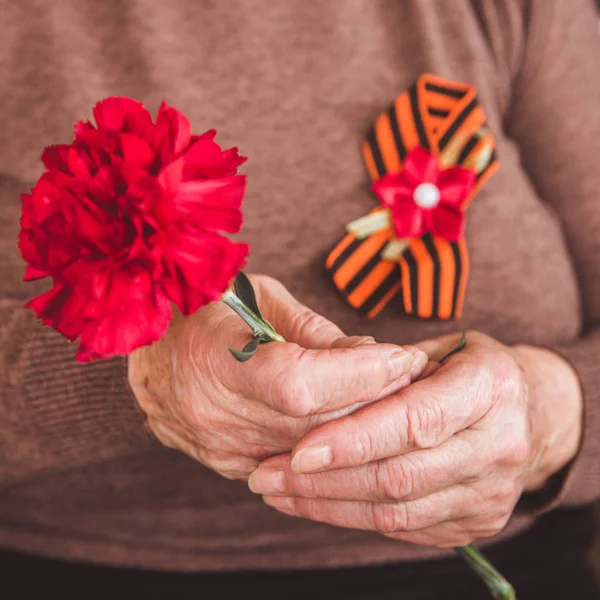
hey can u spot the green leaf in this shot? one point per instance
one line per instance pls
(245, 292)
(248, 352)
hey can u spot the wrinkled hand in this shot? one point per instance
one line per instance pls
(444, 461)
(229, 415)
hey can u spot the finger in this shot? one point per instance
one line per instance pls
(381, 517)
(454, 533)
(401, 478)
(423, 415)
(431, 367)
(419, 367)
(227, 464)
(171, 439)
(293, 380)
(300, 325)
(439, 347)
(293, 320)
(299, 382)
(445, 535)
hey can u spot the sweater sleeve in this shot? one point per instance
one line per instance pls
(55, 413)
(555, 120)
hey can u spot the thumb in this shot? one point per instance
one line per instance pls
(293, 320)
(437, 348)
(421, 368)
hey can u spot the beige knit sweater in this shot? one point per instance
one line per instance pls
(295, 84)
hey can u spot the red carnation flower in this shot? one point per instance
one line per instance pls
(425, 198)
(127, 219)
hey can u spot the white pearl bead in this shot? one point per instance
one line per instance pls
(426, 195)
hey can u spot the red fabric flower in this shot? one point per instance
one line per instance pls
(424, 198)
(127, 219)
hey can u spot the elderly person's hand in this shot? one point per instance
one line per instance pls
(229, 415)
(444, 461)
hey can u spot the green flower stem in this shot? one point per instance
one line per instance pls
(261, 328)
(499, 587)
(263, 331)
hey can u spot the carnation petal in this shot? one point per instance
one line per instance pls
(170, 176)
(62, 308)
(199, 267)
(46, 197)
(77, 166)
(211, 134)
(100, 281)
(178, 126)
(233, 159)
(32, 244)
(110, 113)
(214, 204)
(205, 158)
(136, 150)
(119, 326)
(82, 127)
(31, 273)
(123, 114)
(205, 153)
(55, 157)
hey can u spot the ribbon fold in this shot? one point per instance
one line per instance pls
(371, 265)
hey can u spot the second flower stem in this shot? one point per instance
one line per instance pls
(263, 331)
(498, 586)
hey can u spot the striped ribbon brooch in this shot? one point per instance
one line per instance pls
(427, 155)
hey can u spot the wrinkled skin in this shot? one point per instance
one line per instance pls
(230, 415)
(443, 461)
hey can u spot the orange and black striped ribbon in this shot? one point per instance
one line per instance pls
(431, 275)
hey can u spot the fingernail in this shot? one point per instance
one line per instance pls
(364, 339)
(267, 481)
(353, 341)
(420, 360)
(285, 504)
(312, 459)
(400, 364)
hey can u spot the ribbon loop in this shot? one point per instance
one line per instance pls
(428, 155)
